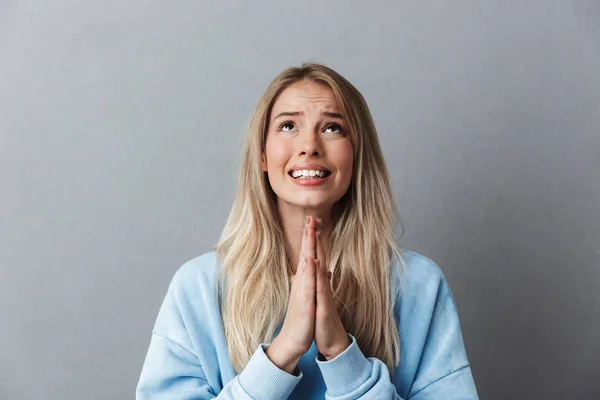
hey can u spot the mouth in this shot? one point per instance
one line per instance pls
(302, 174)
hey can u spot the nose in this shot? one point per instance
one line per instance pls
(311, 144)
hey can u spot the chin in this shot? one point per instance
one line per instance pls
(312, 203)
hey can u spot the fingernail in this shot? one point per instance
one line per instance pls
(306, 219)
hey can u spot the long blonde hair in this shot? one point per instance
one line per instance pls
(255, 263)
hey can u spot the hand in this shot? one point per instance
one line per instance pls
(297, 331)
(330, 335)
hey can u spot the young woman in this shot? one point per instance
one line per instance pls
(307, 295)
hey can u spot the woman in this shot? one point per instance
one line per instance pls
(307, 295)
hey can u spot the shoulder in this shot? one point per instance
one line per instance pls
(201, 267)
(415, 270)
(420, 265)
(191, 295)
(420, 282)
(197, 273)
(189, 315)
(429, 327)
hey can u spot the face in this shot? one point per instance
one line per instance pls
(308, 153)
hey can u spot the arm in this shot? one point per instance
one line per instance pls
(172, 372)
(441, 372)
(353, 376)
(173, 368)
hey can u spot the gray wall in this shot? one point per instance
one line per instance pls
(120, 129)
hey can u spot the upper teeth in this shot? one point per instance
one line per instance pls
(308, 173)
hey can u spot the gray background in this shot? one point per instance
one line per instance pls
(121, 125)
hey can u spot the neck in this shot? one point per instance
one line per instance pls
(293, 220)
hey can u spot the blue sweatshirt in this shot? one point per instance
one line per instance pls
(188, 359)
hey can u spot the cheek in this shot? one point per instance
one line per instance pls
(345, 158)
(278, 153)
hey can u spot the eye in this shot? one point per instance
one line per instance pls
(287, 126)
(335, 128)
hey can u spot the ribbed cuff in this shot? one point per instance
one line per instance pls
(348, 371)
(263, 380)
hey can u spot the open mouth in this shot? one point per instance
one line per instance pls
(309, 174)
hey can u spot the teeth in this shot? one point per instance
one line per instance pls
(305, 173)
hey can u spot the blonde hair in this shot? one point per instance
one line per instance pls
(255, 262)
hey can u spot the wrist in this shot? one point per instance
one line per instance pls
(281, 357)
(336, 349)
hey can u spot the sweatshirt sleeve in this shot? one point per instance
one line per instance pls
(172, 372)
(353, 376)
(172, 368)
(441, 372)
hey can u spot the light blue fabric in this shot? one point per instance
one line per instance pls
(187, 357)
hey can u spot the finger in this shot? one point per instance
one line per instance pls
(321, 251)
(309, 284)
(303, 250)
(310, 240)
(318, 224)
(322, 282)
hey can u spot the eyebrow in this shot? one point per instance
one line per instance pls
(296, 113)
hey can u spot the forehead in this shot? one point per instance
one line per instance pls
(306, 95)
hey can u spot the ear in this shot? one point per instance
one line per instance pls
(263, 162)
